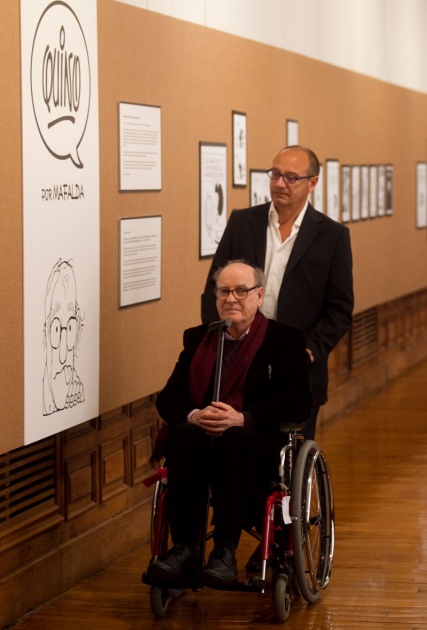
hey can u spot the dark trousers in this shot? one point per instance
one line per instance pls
(309, 430)
(238, 466)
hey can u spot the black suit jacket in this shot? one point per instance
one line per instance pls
(277, 385)
(317, 289)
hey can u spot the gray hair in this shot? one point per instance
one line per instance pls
(259, 275)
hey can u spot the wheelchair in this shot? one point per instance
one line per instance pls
(296, 538)
(297, 530)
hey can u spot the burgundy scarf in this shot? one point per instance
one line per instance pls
(204, 359)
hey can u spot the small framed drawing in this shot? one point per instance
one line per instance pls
(291, 132)
(317, 194)
(332, 189)
(213, 196)
(345, 193)
(364, 192)
(373, 191)
(421, 221)
(389, 190)
(259, 187)
(381, 190)
(355, 192)
(239, 150)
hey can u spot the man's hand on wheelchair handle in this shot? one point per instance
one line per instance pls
(217, 418)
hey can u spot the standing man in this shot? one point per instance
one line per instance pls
(306, 257)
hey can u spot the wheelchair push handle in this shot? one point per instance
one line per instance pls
(221, 327)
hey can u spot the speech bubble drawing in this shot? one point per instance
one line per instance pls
(60, 81)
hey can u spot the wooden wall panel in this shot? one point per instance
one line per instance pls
(81, 488)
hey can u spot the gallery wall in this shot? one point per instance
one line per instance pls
(383, 39)
(198, 76)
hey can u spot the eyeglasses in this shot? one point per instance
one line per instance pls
(241, 293)
(56, 333)
(287, 177)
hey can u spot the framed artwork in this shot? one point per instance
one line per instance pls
(381, 190)
(140, 247)
(139, 147)
(421, 175)
(317, 194)
(389, 190)
(364, 192)
(259, 187)
(373, 191)
(239, 150)
(332, 189)
(213, 196)
(355, 193)
(291, 132)
(345, 193)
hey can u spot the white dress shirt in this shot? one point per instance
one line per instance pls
(276, 259)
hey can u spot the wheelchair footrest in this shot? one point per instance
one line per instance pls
(175, 584)
(254, 585)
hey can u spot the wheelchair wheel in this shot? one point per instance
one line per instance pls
(160, 597)
(282, 597)
(159, 522)
(312, 513)
(159, 601)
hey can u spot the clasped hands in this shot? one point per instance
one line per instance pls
(217, 418)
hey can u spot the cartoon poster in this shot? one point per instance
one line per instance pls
(60, 155)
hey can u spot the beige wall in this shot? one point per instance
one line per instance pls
(198, 76)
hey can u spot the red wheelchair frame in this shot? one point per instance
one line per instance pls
(297, 538)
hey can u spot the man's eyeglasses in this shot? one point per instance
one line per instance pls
(241, 293)
(287, 177)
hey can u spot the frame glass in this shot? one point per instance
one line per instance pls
(381, 190)
(213, 196)
(317, 194)
(140, 247)
(364, 192)
(345, 193)
(239, 150)
(140, 155)
(373, 192)
(259, 187)
(355, 192)
(389, 190)
(421, 175)
(291, 132)
(332, 189)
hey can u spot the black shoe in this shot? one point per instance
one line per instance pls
(179, 564)
(253, 565)
(221, 569)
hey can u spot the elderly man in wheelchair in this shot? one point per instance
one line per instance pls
(224, 415)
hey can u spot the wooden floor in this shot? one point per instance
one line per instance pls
(378, 458)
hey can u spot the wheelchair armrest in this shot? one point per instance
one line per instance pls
(161, 473)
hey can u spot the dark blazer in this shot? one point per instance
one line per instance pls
(317, 289)
(277, 386)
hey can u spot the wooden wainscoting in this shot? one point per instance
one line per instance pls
(383, 343)
(72, 504)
